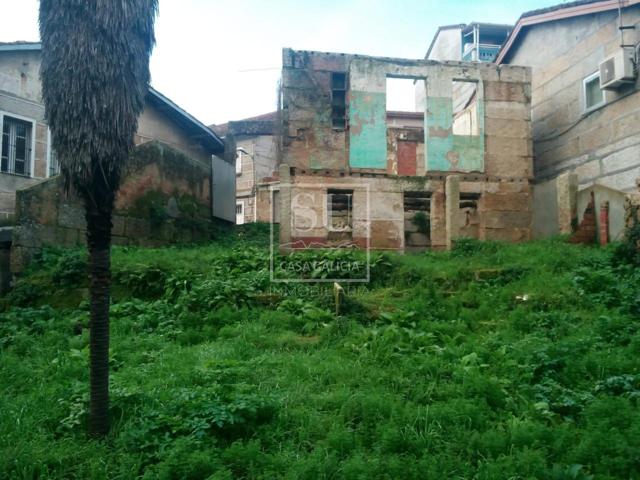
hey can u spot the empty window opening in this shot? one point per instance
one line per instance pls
(339, 100)
(340, 210)
(417, 220)
(465, 108)
(593, 94)
(401, 95)
(405, 123)
(16, 146)
(469, 218)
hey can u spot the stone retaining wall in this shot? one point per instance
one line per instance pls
(165, 198)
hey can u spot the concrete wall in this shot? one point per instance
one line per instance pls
(602, 146)
(164, 198)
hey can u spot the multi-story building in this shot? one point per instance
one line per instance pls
(585, 103)
(353, 173)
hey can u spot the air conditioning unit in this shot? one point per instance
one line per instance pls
(617, 70)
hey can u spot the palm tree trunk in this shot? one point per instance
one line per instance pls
(99, 208)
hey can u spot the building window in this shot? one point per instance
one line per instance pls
(593, 94)
(339, 100)
(340, 208)
(239, 213)
(16, 146)
(238, 162)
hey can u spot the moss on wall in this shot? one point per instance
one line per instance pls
(168, 159)
(149, 215)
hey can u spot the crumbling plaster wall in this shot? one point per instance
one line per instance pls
(445, 151)
(504, 209)
(503, 146)
(309, 140)
(496, 164)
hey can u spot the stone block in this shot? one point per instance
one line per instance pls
(285, 207)
(137, 228)
(120, 240)
(452, 209)
(415, 238)
(621, 160)
(506, 92)
(118, 225)
(594, 138)
(168, 232)
(509, 166)
(71, 216)
(518, 186)
(27, 236)
(504, 202)
(629, 125)
(507, 234)
(49, 235)
(386, 205)
(510, 128)
(588, 170)
(438, 220)
(67, 237)
(507, 220)
(508, 73)
(20, 258)
(507, 110)
(387, 234)
(511, 147)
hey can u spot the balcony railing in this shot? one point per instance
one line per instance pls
(486, 53)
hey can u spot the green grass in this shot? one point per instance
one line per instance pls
(489, 362)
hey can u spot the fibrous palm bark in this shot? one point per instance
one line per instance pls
(95, 76)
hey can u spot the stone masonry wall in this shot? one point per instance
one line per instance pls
(504, 208)
(164, 198)
(601, 146)
(494, 166)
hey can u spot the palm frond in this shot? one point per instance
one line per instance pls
(95, 76)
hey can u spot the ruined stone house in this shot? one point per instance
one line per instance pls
(354, 173)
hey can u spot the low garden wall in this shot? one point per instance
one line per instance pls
(164, 198)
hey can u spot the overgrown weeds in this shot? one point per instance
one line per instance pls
(491, 361)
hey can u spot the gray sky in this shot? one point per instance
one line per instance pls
(220, 59)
